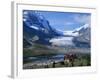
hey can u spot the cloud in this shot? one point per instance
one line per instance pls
(82, 19)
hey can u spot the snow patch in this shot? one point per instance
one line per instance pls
(70, 33)
(34, 27)
(84, 26)
(35, 38)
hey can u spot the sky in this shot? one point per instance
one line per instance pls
(66, 20)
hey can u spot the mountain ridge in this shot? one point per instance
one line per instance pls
(36, 29)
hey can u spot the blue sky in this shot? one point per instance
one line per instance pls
(66, 20)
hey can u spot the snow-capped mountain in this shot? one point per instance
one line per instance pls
(83, 33)
(79, 37)
(81, 28)
(35, 25)
(84, 36)
(78, 31)
(36, 29)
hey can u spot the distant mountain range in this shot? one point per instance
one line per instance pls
(36, 29)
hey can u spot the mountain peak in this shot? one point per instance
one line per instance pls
(82, 27)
